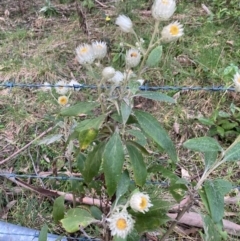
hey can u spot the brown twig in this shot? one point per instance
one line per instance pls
(26, 146)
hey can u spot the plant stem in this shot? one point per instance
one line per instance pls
(150, 47)
(179, 216)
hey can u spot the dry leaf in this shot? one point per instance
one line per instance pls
(185, 174)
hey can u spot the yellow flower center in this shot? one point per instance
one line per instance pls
(84, 50)
(174, 30)
(238, 80)
(121, 223)
(143, 203)
(134, 55)
(165, 2)
(62, 100)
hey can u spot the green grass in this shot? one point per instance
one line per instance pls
(47, 53)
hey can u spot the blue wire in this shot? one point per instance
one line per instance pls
(11, 85)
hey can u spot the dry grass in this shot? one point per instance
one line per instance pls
(37, 49)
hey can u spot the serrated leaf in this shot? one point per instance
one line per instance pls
(123, 185)
(75, 218)
(113, 158)
(154, 57)
(93, 163)
(80, 108)
(215, 191)
(232, 153)
(138, 165)
(50, 139)
(202, 144)
(155, 131)
(90, 124)
(125, 111)
(58, 209)
(86, 137)
(156, 96)
(43, 233)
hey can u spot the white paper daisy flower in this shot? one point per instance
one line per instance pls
(117, 78)
(62, 100)
(163, 9)
(124, 23)
(61, 88)
(46, 87)
(85, 54)
(133, 58)
(120, 223)
(140, 202)
(172, 32)
(108, 72)
(141, 81)
(75, 84)
(236, 80)
(99, 49)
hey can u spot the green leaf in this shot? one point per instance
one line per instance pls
(93, 163)
(155, 131)
(86, 137)
(138, 165)
(123, 185)
(133, 236)
(223, 114)
(58, 209)
(116, 238)
(75, 218)
(206, 121)
(178, 191)
(43, 233)
(50, 139)
(80, 108)
(212, 231)
(209, 158)
(141, 139)
(202, 144)
(165, 172)
(90, 123)
(80, 161)
(113, 158)
(203, 196)
(150, 221)
(229, 125)
(156, 96)
(125, 111)
(215, 191)
(232, 153)
(154, 57)
(96, 212)
(139, 147)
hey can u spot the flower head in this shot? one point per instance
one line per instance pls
(117, 78)
(140, 202)
(85, 54)
(46, 87)
(236, 80)
(62, 100)
(140, 81)
(75, 84)
(120, 223)
(108, 72)
(61, 88)
(124, 23)
(133, 58)
(172, 32)
(99, 49)
(163, 9)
